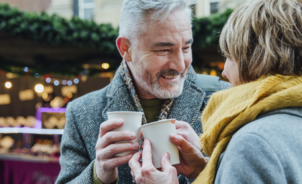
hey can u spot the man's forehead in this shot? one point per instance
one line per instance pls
(176, 27)
(177, 21)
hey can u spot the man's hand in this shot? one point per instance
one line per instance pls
(192, 162)
(106, 163)
(146, 173)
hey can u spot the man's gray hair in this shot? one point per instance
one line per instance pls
(135, 12)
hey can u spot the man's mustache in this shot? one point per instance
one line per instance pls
(168, 72)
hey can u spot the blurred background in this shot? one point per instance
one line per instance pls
(53, 51)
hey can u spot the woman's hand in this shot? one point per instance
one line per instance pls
(146, 173)
(192, 161)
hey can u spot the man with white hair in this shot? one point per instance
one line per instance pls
(155, 77)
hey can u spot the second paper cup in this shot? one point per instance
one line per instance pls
(158, 133)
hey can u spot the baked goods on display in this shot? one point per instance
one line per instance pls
(11, 121)
(61, 123)
(20, 120)
(3, 122)
(51, 122)
(7, 142)
(31, 121)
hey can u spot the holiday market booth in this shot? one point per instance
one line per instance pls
(47, 61)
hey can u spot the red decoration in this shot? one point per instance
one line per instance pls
(2, 72)
(46, 76)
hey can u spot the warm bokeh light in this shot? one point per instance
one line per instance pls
(39, 88)
(69, 95)
(213, 73)
(105, 66)
(8, 85)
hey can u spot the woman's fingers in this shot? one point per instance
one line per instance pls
(134, 163)
(147, 153)
(166, 165)
(165, 162)
(147, 165)
(180, 142)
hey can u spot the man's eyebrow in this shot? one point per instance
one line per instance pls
(169, 44)
(163, 44)
(189, 41)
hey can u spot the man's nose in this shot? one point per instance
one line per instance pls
(177, 61)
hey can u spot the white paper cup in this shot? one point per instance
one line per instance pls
(132, 123)
(158, 133)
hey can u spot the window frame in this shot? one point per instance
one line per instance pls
(83, 6)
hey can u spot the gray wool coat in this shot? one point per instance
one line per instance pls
(85, 115)
(267, 150)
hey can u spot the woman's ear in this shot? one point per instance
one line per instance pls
(124, 47)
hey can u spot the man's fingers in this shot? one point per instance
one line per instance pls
(115, 136)
(110, 125)
(113, 149)
(112, 163)
(140, 133)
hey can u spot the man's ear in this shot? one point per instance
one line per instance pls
(123, 45)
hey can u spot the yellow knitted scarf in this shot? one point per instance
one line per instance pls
(229, 110)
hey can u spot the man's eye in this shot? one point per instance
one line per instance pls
(186, 49)
(162, 51)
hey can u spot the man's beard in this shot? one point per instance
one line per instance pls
(153, 86)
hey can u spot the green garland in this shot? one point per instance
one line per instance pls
(58, 31)
(206, 31)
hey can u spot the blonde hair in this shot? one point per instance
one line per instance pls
(265, 38)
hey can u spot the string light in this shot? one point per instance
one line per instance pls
(48, 80)
(76, 80)
(105, 66)
(25, 69)
(8, 85)
(39, 88)
(56, 83)
(64, 82)
(69, 83)
(36, 75)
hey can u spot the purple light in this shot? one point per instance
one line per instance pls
(46, 109)
(64, 82)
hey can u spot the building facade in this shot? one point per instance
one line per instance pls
(108, 11)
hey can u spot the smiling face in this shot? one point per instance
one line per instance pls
(161, 57)
(231, 72)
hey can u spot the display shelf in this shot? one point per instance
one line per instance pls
(18, 157)
(32, 131)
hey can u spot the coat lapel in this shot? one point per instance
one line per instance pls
(119, 99)
(118, 96)
(187, 107)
